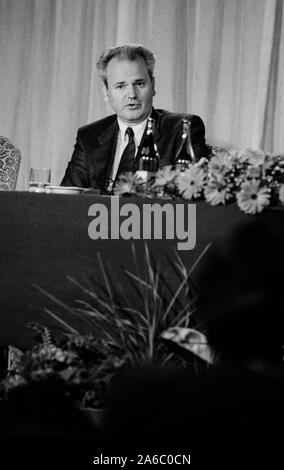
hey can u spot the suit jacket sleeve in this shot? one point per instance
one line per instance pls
(76, 173)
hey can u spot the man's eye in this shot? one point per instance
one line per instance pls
(140, 84)
(119, 86)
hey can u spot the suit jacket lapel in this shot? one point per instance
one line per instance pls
(156, 115)
(108, 134)
(104, 153)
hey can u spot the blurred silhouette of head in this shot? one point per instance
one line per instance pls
(242, 292)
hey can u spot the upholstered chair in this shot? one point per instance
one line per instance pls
(10, 159)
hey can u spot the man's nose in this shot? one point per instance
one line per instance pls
(132, 92)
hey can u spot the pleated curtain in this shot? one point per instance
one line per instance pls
(220, 59)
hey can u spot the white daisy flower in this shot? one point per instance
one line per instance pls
(254, 157)
(216, 191)
(126, 184)
(221, 162)
(164, 176)
(191, 182)
(252, 198)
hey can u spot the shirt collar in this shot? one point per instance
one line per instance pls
(138, 129)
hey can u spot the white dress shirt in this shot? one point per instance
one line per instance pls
(122, 141)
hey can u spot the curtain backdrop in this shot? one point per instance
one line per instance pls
(220, 59)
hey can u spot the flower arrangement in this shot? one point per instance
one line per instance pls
(252, 179)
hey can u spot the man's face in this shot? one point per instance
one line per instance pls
(129, 90)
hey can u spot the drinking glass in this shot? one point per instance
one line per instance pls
(39, 180)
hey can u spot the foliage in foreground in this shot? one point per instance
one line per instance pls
(125, 331)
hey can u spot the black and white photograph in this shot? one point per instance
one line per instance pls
(141, 233)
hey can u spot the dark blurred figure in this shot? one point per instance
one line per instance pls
(242, 293)
(41, 428)
(237, 404)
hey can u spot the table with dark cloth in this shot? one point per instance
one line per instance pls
(44, 238)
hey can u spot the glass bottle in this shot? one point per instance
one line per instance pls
(148, 156)
(185, 154)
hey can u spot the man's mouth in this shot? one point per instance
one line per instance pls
(133, 105)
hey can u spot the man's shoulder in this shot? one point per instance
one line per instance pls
(165, 114)
(98, 126)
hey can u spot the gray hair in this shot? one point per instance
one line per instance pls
(127, 52)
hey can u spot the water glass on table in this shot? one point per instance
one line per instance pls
(39, 180)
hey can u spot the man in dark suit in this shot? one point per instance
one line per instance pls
(128, 84)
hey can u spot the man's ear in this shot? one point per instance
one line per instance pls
(153, 86)
(104, 91)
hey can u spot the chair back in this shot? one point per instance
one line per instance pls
(215, 150)
(10, 159)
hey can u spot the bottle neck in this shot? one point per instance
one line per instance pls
(148, 154)
(185, 154)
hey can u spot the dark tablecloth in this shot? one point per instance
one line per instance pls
(44, 238)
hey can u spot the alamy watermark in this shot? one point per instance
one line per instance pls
(144, 222)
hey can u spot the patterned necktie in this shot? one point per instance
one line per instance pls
(127, 158)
